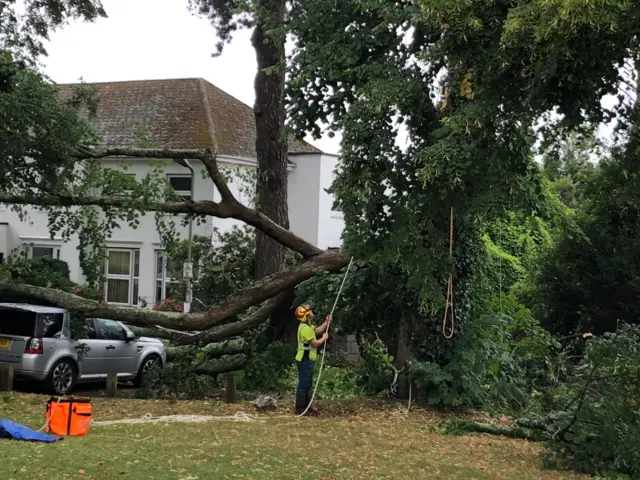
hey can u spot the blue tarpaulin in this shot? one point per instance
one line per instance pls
(15, 431)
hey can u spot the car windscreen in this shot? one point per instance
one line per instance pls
(49, 324)
(17, 322)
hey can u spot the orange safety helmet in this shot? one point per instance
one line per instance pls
(303, 311)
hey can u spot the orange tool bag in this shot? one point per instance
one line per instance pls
(70, 416)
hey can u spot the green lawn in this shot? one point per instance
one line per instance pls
(352, 440)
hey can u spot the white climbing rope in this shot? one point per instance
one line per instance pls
(324, 348)
(148, 418)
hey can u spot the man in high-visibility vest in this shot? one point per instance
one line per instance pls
(307, 352)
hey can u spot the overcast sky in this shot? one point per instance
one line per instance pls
(154, 39)
(160, 39)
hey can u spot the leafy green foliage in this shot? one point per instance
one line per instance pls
(23, 25)
(176, 381)
(270, 370)
(597, 430)
(589, 282)
(487, 365)
(338, 383)
(40, 271)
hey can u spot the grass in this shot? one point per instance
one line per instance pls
(352, 440)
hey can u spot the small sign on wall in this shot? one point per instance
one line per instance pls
(187, 270)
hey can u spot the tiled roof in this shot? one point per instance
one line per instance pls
(177, 114)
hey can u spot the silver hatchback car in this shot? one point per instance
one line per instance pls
(37, 340)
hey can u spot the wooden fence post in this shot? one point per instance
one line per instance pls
(6, 378)
(112, 384)
(230, 390)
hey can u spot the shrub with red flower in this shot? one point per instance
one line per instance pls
(86, 291)
(169, 305)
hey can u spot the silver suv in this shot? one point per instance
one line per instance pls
(37, 340)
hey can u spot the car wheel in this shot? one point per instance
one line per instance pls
(62, 377)
(147, 364)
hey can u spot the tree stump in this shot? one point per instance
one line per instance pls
(230, 390)
(6, 378)
(112, 384)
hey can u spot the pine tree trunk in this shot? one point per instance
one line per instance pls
(271, 147)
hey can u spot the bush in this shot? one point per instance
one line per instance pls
(270, 370)
(176, 381)
(375, 371)
(487, 366)
(169, 305)
(598, 430)
(40, 271)
(337, 383)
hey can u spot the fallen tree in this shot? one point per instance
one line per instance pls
(63, 174)
(216, 323)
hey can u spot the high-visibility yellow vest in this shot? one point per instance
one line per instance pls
(306, 333)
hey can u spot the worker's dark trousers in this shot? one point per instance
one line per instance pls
(305, 381)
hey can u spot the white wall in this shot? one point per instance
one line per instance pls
(330, 222)
(304, 198)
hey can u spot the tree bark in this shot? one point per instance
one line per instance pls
(268, 40)
(510, 432)
(236, 328)
(403, 354)
(211, 351)
(221, 365)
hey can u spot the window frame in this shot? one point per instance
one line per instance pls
(96, 326)
(185, 194)
(161, 276)
(55, 251)
(133, 277)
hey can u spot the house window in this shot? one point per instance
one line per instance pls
(44, 251)
(130, 179)
(122, 269)
(181, 184)
(166, 286)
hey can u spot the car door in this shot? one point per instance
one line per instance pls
(94, 351)
(117, 354)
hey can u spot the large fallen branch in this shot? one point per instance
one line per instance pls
(158, 332)
(229, 207)
(235, 304)
(212, 351)
(221, 365)
(219, 322)
(235, 328)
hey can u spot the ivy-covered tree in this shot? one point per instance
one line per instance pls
(469, 83)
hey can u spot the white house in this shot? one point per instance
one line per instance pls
(179, 114)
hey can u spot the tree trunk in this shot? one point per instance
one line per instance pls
(271, 144)
(271, 147)
(403, 354)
